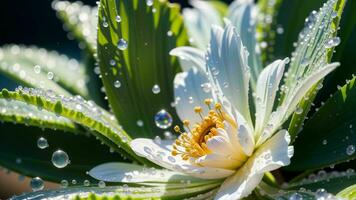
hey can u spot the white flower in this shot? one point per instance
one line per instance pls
(222, 138)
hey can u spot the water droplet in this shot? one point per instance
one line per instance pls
(168, 135)
(86, 183)
(156, 89)
(112, 62)
(206, 87)
(139, 123)
(321, 194)
(36, 184)
(333, 14)
(105, 24)
(296, 196)
(37, 69)
(60, 159)
(149, 2)
(117, 84)
(332, 42)
(280, 30)
(299, 111)
(324, 142)
(74, 182)
(118, 18)
(101, 184)
(122, 44)
(64, 183)
(157, 140)
(42, 143)
(350, 150)
(169, 33)
(163, 119)
(50, 75)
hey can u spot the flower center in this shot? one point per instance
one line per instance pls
(194, 144)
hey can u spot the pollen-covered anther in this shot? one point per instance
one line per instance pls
(194, 143)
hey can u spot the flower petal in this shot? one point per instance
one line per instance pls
(199, 21)
(189, 92)
(241, 15)
(292, 99)
(219, 161)
(160, 154)
(131, 173)
(267, 87)
(246, 140)
(227, 67)
(270, 156)
(190, 57)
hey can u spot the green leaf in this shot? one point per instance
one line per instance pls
(150, 32)
(122, 192)
(314, 49)
(37, 67)
(348, 193)
(266, 27)
(85, 113)
(19, 152)
(80, 20)
(330, 133)
(22, 113)
(333, 182)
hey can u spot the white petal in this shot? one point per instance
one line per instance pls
(131, 173)
(267, 87)
(246, 139)
(188, 93)
(190, 57)
(199, 21)
(270, 156)
(227, 67)
(291, 101)
(161, 155)
(240, 14)
(219, 161)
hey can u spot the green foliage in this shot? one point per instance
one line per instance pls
(151, 32)
(124, 193)
(78, 110)
(80, 20)
(330, 132)
(312, 53)
(21, 153)
(36, 67)
(348, 193)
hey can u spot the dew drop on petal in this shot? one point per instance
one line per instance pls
(36, 184)
(156, 89)
(117, 84)
(42, 143)
(122, 44)
(60, 159)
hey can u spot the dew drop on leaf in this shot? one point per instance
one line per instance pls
(50, 75)
(64, 183)
(36, 184)
(296, 196)
(37, 69)
(350, 150)
(139, 123)
(117, 84)
(118, 18)
(42, 143)
(149, 2)
(163, 119)
(60, 159)
(122, 44)
(156, 89)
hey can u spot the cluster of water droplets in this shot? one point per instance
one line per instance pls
(315, 40)
(76, 103)
(82, 16)
(16, 60)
